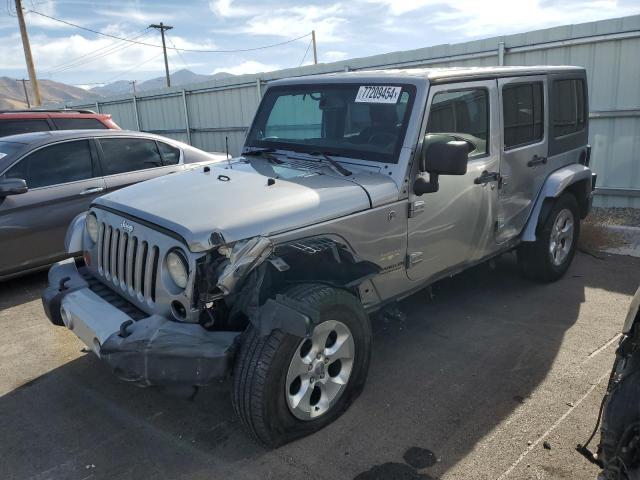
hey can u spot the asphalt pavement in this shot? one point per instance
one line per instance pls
(488, 376)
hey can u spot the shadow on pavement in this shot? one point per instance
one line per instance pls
(440, 380)
(22, 289)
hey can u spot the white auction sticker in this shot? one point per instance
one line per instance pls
(378, 94)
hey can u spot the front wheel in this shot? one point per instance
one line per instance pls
(286, 387)
(548, 258)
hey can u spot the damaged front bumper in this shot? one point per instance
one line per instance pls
(150, 351)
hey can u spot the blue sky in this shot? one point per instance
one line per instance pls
(345, 29)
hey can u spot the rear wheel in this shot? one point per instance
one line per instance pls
(548, 258)
(286, 387)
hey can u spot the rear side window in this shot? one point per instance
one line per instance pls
(465, 113)
(123, 155)
(77, 123)
(523, 116)
(15, 127)
(54, 165)
(568, 107)
(170, 155)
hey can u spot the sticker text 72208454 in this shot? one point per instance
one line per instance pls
(378, 94)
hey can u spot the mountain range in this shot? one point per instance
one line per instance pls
(180, 77)
(12, 93)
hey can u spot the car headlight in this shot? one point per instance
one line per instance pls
(91, 224)
(177, 268)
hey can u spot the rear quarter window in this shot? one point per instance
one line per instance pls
(78, 123)
(170, 154)
(17, 126)
(569, 107)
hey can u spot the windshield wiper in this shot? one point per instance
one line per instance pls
(336, 165)
(259, 151)
(263, 152)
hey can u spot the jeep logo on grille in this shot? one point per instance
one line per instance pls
(127, 227)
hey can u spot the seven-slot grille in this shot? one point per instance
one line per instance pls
(128, 262)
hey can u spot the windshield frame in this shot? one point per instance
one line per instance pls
(370, 156)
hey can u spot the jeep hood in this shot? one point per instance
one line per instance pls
(242, 200)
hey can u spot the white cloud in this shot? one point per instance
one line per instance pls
(250, 66)
(134, 14)
(333, 56)
(496, 17)
(396, 7)
(296, 21)
(225, 9)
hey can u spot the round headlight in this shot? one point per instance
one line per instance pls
(91, 224)
(177, 268)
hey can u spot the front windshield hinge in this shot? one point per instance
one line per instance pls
(416, 208)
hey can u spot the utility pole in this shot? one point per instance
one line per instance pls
(162, 28)
(315, 52)
(133, 84)
(26, 94)
(27, 54)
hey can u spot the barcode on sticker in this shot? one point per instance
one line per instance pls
(378, 94)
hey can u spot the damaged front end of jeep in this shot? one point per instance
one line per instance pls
(146, 339)
(245, 283)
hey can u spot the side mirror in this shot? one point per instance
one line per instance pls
(13, 186)
(441, 155)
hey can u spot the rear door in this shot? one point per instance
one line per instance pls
(63, 179)
(129, 160)
(523, 166)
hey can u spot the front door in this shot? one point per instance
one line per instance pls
(456, 224)
(524, 157)
(62, 181)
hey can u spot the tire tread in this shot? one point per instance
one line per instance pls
(254, 358)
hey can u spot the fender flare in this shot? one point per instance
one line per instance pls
(75, 233)
(554, 185)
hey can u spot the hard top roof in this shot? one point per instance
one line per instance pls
(434, 75)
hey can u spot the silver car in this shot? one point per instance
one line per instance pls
(353, 191)
(47, 178)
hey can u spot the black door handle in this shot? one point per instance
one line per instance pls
(486, 177)
(536, 160)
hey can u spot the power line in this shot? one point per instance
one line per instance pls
(306, 52)
(174, 48)
(178, 52)
(114, 47)
(132, 69)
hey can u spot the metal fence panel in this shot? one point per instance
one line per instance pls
(209, 114)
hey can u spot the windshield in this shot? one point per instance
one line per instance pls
(350, 120)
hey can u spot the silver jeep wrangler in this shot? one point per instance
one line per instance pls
(354, 190)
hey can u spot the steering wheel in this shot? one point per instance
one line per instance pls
(382, 138)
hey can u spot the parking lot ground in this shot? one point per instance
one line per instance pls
(474, 382)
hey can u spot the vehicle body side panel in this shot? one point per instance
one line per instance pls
(378, 235)
(553, 187)
(33, 225)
